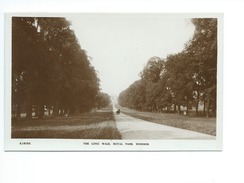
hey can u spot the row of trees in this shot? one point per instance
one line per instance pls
(181, 80)
(50, 71)
(102, 100)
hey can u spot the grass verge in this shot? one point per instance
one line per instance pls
(96, 125)
(198, 124)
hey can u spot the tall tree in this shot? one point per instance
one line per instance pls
(202, 53)
(49, 68)
(182, 79)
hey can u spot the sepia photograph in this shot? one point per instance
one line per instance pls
(113, 81)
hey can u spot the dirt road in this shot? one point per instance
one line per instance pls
(133, 128)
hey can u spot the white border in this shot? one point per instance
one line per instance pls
(171, 167)
(80, 144)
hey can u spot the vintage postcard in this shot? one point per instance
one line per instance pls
(113, 81)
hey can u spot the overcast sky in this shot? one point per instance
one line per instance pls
(121, 44)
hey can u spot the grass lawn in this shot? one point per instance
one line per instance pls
(95, 125)
(198, 124)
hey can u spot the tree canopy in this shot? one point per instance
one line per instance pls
(50, 70)
(183, 79)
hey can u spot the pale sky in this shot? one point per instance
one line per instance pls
(121, 44)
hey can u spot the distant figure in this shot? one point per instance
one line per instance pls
(118, 111)
(184, 113)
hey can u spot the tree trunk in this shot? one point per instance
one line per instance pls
(179, 109)
(214, 108)
(28, 109)
(187, 105)
(62, 112)
(208, 107)
(197, 103)
(56, 110)
(40, 111)
(49, 110)
(204, 107)
(167, 109)
(14, 111)
(18, 112)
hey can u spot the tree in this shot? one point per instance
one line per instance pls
(202, 53)
(102, 100)
(153, 69)
(181, 79)
(49, 68)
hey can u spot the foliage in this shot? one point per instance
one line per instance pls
(181, 80)
(102, 100)
(49, 68)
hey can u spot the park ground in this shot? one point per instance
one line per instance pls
(101, 124)
(95, 125)
(197, 124)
